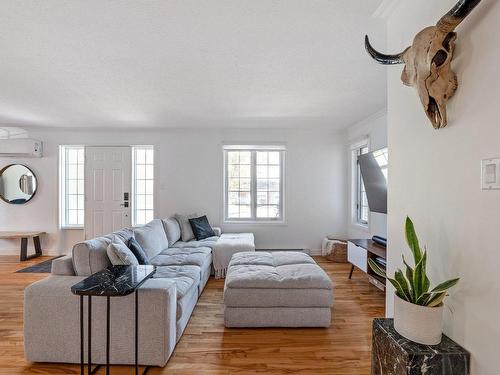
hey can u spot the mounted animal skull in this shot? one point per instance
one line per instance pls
(428, 62)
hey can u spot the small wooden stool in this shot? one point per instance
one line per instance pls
(24, 242)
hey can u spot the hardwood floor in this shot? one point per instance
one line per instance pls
(208, 348)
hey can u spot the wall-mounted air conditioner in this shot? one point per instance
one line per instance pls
(20, 148)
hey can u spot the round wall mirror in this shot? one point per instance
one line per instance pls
(17, 184)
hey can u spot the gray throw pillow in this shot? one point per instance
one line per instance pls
(172, 229)
(186, 230)
(120, 255)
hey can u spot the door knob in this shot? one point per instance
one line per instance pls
(124, 204)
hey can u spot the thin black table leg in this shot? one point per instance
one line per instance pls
(38, 247)
(136, 333)
(89, 349)
(350, 273)
(24, 248)
(82, 366)
(107, 335)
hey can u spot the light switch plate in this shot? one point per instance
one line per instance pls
(490, 174)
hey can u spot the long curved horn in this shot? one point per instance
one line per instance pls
(382, 58)
(456, 15)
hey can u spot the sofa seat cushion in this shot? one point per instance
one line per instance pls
(207, 242)
(186, 279)
(186, 256)
(152, 238)
(275, 270)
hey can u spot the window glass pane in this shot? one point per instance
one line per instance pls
(72, 202)
(140, 217)
(261, 198)
(140, 202)
(262, 211)
(149, 202)
(234, 184)
(274, 184)
(245, 184)
(140, 156)
(72, 171)
(81, 200)
(149, 172)
(274, 198)
(233, 157)
(150, 156)
(262, 184)
(140, 171)
(72, 186)
(261, 157)
(149, 187)
(261, 171)
(149, 216)
(234, 171)
(245, 157)
(245, 171)
(81, 214)
(274, 158)
(72, 156)
(273, 212)
(245, 212)
(234, 198)
(233, 211)
(245, 198)
(72, 217)
(274, 172)
(140, 187)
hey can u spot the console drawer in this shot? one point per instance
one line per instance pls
(358, 256)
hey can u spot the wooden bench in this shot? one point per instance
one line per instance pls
(24, 242)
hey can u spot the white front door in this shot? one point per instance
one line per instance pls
(108, 183)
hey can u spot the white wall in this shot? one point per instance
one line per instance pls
(189, 178)
(434, 176)
(373, 128)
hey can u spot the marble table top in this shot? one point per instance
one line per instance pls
(447, 345)
(114, 281)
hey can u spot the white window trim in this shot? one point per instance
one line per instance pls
(254, 147)
(62, 189)
(364, 142)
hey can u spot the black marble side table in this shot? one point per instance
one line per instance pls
(392, 354)
(114, 281)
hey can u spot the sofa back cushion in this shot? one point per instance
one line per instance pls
(152, 238)
(172, 229)
(90, 256)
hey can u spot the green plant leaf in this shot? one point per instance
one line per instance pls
(423, 299)
(375, 268)
(436, 299)
(399, 290)
(412, 240)
(398, 275)
(409, 276)
(419, 278)
(426, 282)
(444, 286)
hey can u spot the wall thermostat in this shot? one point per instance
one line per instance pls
(490, 174)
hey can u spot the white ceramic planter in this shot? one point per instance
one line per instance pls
(421, 324)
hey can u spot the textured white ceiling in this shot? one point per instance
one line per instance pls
(188, 63)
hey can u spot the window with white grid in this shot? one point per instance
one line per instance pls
(253, 183)
(72, 196)
(143, 185)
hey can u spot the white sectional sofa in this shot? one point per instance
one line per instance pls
(51, 311)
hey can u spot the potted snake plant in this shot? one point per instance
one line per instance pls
(418, 309)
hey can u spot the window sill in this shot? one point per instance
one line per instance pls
(365, 227)
(71, 228)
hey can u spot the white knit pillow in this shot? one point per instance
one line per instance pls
(120, 255)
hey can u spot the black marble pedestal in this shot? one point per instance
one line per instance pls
(392, 354)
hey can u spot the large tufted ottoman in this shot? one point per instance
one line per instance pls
(276, 289)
